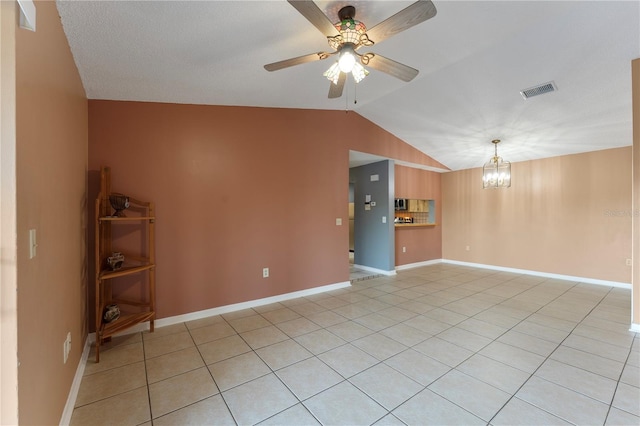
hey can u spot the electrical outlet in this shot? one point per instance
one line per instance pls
(404, 249)
(265, 272)
(467, 248)
(628, 262)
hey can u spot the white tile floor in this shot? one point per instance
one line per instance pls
(441, 344)
(358, 274)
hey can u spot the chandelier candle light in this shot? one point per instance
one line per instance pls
(496, 172)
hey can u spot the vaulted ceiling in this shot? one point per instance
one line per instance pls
(474, 58)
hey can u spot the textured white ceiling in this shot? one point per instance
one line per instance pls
(474, 57)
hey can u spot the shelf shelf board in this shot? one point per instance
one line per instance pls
(124, 322)
(124, 219)
(127, 270)
(121, 301)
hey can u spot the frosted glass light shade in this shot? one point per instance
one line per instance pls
(359, 72)
(333, 73)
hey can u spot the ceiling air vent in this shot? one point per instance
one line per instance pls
(540, 89)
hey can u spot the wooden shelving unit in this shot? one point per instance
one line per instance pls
(140, 216)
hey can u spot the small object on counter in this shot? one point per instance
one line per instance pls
(408, 220)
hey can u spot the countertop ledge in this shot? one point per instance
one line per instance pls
(413, 225)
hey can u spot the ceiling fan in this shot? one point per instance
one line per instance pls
(348, 35)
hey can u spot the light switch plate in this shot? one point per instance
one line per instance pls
(338, 221)
(32, 243)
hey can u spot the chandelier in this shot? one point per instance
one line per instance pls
(496, 172)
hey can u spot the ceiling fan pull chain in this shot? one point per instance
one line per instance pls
(346, 96)
(355, 94)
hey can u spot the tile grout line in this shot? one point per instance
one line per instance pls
(146, 376)
(478, 352)
(548, 357)
(613, 396)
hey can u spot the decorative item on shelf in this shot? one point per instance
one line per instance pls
(115, 261)
(111, 313)
(496, 173)
(119, 202)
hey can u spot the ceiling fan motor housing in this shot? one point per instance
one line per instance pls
(347, 12)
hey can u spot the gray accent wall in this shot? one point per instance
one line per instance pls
(374, 241)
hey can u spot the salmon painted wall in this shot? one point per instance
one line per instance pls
(424, 243)
(566, 215)
(51, 160)
(236, 190)
(635, 77)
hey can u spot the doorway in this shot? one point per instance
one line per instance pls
(371, 251)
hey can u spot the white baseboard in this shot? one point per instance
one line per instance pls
(162, 322)
(635, 327)
(250, 304)
(542, 274)
(376, 270)
(418, 264)
(75, 385)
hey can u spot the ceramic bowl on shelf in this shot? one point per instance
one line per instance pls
(119, 202)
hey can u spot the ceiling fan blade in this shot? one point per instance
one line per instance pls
(312, 12)
(412, 15)
(335, 90)
(297, 61)
(389, 66)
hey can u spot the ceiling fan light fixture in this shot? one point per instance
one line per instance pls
(333, 73)
(347, 59)
(351, 30)
(359, 72)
